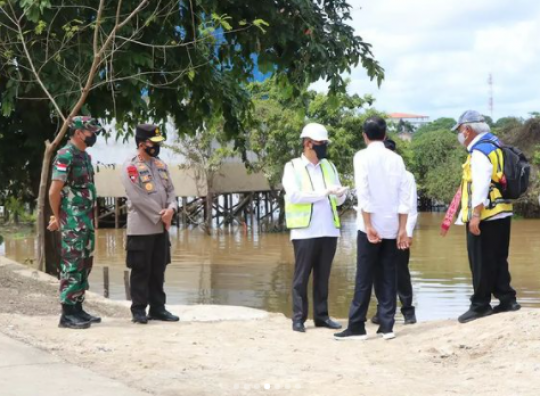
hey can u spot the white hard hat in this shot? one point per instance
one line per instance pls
(315, 131)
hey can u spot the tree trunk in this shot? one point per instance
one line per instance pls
(52, 243)
(43, 211)
(209, 210)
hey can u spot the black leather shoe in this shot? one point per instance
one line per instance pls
(139, 317)
(409, 318)
(329, 324)
(299, 326)
(348, 334)
(510, 307)
(470, 315)
(164, 316)
(86, 316)
(375, 319)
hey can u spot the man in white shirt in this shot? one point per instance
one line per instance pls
(313, 192)
(383, 200)
(487, 215)
(404, 284)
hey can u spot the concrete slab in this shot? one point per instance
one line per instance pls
(28, 371)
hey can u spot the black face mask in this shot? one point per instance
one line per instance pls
(321, 151)
(152, 151)
(90, 140)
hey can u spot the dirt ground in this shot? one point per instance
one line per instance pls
(496, 355)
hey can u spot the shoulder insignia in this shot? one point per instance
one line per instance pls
(61, 167)
(132, 173)
(160, 164)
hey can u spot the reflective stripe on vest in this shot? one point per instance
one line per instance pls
(497, 204)
(299, 215)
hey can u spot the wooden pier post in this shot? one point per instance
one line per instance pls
(184, 210)
(127, 285)
(106, 282)
(117, 213)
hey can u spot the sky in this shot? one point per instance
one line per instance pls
(438, 55)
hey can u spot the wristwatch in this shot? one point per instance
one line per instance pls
(475, 215)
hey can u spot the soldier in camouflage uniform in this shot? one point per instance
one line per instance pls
(73, 199)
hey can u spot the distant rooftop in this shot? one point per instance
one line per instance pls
(406, 115)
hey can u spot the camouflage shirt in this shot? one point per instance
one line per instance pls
(74, 167)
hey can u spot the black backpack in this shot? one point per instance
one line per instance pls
(516, 171)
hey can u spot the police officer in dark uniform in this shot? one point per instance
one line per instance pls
(151, 207)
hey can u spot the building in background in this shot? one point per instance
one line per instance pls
(406, 124)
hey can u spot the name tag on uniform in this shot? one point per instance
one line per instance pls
(163, 174)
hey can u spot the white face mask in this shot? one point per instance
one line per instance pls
(461, 138)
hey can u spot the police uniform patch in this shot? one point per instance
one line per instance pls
(160, 164)
(132, 173)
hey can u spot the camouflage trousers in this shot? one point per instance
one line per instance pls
(75, 265)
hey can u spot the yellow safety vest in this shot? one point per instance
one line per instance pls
(497, 204)
(299, 215)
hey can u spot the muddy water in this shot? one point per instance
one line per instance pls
(256, 270)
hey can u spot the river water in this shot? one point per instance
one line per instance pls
(251, 269)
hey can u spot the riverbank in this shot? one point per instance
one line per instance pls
(251, 352)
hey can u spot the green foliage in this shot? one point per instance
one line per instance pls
(21, 147)
(440, 124)
(436, 162)
(17, 210)
(505, 124)
(203, 73)
(191, 60)
(536, 156)
(278, 122)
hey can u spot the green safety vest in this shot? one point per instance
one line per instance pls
(299, 215)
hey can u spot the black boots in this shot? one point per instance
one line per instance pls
(85, 315)
(71, 319)
(74, 317)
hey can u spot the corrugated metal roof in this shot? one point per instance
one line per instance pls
(406, 115)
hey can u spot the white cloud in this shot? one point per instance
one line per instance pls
(438, 55)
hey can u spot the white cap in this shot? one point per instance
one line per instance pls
(315, 131)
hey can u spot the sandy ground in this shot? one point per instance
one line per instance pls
(249, 352)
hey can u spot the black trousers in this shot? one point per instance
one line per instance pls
(375, 266)
(315, 255)
(404, 283)
(488, 260)
(148, 256)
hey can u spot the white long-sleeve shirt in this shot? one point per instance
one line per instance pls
(382, 187)
(322, 218)
(481, 172)
(413, 214)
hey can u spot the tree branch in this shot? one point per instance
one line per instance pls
(34, 71)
